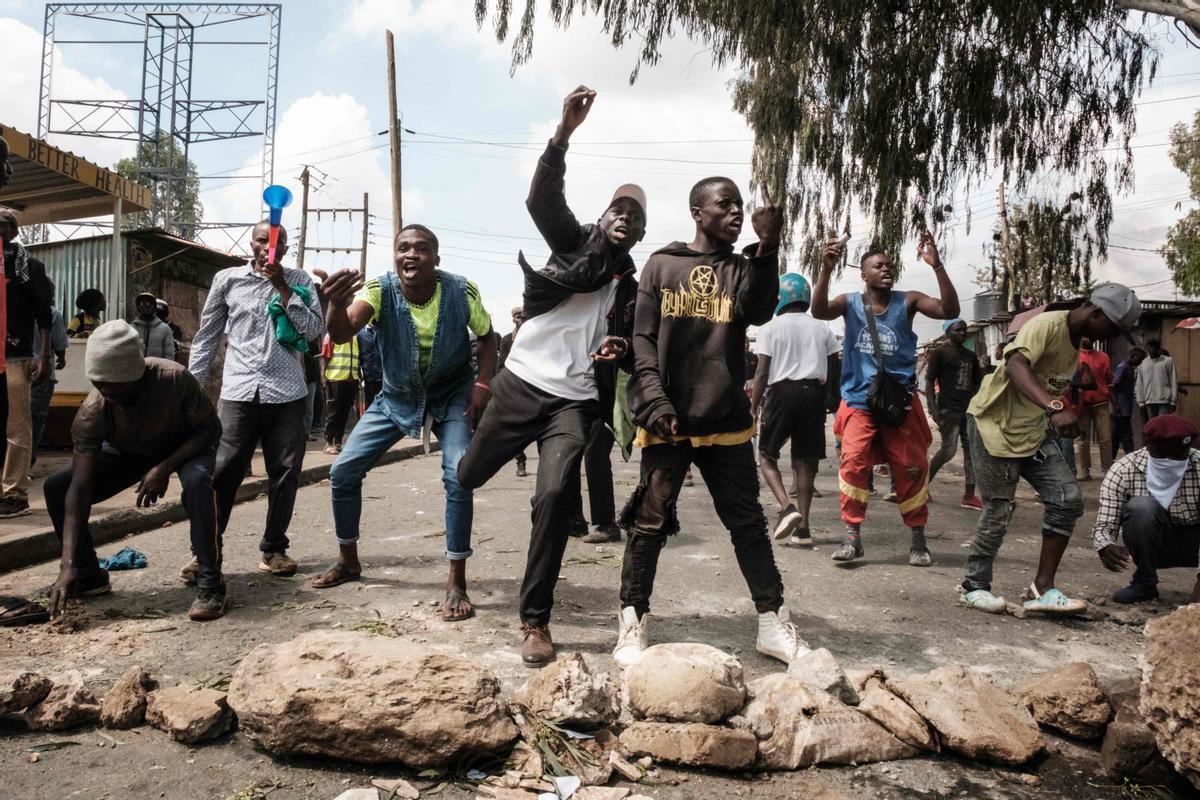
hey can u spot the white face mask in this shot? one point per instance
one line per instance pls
(1163, 476)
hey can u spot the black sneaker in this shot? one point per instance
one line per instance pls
(13, 507)
(848, 552)
(208, 605)
(603, 533)
(801, 538)
(521, 473)
(787, 522)
(1136, 593)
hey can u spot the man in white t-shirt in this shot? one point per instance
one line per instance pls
(577, 311)
(793, 362)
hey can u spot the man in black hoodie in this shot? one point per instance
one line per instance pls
(577, 312)
(686, 393)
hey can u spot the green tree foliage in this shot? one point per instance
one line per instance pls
(1049, 253)
(176, 199)
(886, 107)
(1182, 250)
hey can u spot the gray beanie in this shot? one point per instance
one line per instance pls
(114, 354)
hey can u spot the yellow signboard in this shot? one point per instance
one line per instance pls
(80, 170)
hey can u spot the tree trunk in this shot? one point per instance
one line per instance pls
(1186, 11)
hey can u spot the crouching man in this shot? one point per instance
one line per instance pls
(1152, 498)
(145, 419)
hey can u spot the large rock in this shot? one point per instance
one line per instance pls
(878, 703)
(371, 699)
(569, 692)
(820, 669)
(1170, 696)
(972, 715)
(188, 713)
(19, 690)
(691, 743)
(1129, 749)
(685, 682)
(800, 725)
(125, 704)
(1068, 699)
(69, 704)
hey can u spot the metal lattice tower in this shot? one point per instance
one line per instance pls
(165, 116)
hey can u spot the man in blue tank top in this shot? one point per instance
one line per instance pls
(866, 440)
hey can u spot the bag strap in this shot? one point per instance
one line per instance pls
(869, 313)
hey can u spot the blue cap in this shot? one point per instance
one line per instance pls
(793, 288)
(950, 323)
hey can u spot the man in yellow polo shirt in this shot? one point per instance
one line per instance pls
(1008, 423)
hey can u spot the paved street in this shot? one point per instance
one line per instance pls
(879, 612)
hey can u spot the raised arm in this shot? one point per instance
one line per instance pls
(306, 317)
(758, 291)
(946, 305)
(822, 307)
(547, 202)
(344, 316)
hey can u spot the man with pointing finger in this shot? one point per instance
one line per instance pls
(577, 311)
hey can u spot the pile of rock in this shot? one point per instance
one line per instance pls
(372, 699)
(63, 701)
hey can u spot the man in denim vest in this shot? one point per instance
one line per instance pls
(421, 315)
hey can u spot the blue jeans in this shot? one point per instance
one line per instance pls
(1046, 471)
(371, 438)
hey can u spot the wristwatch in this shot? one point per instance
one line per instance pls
(1053, 407)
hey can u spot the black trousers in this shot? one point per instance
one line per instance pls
(342, 395)
(114, 474)
(517, 415)
(597, 461)
(1122, 435)
(280, 428)
(731, 475)
(1155, 542)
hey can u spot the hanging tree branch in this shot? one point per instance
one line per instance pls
(889, 106)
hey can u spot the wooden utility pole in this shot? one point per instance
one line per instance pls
(1006, 254)
(303, 217)
(394, 136)
(362, 257)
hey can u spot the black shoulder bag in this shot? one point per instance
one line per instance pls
(888, 400)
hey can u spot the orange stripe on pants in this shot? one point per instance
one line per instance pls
(905, 450)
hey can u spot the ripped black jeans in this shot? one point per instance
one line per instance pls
(731, 476)
(1050, 476)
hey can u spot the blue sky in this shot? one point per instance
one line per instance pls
(672, 127)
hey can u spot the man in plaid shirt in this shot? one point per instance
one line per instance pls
(1151, 497)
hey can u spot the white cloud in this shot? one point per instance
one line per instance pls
(21, 66)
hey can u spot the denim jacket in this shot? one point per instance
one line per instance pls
(408, 394)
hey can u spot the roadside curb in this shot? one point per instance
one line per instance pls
(40, 546)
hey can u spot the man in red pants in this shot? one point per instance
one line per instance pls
(867, 439)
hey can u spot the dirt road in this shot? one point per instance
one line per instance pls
(879, 612)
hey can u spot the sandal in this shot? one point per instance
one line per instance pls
(19, 611)
(1052, 601)
(334, 576)
(454, 599)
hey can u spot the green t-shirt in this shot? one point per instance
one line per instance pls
(425, 316)
(1010, 424)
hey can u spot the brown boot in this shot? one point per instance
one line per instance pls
(537, 649)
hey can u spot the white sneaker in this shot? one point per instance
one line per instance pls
(983, 600)
(632, 637)
(778, 638)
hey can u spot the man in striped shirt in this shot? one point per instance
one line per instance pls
(1151, 500)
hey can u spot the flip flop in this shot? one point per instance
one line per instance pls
(334, 576)
(453, 598)
(16, 611)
